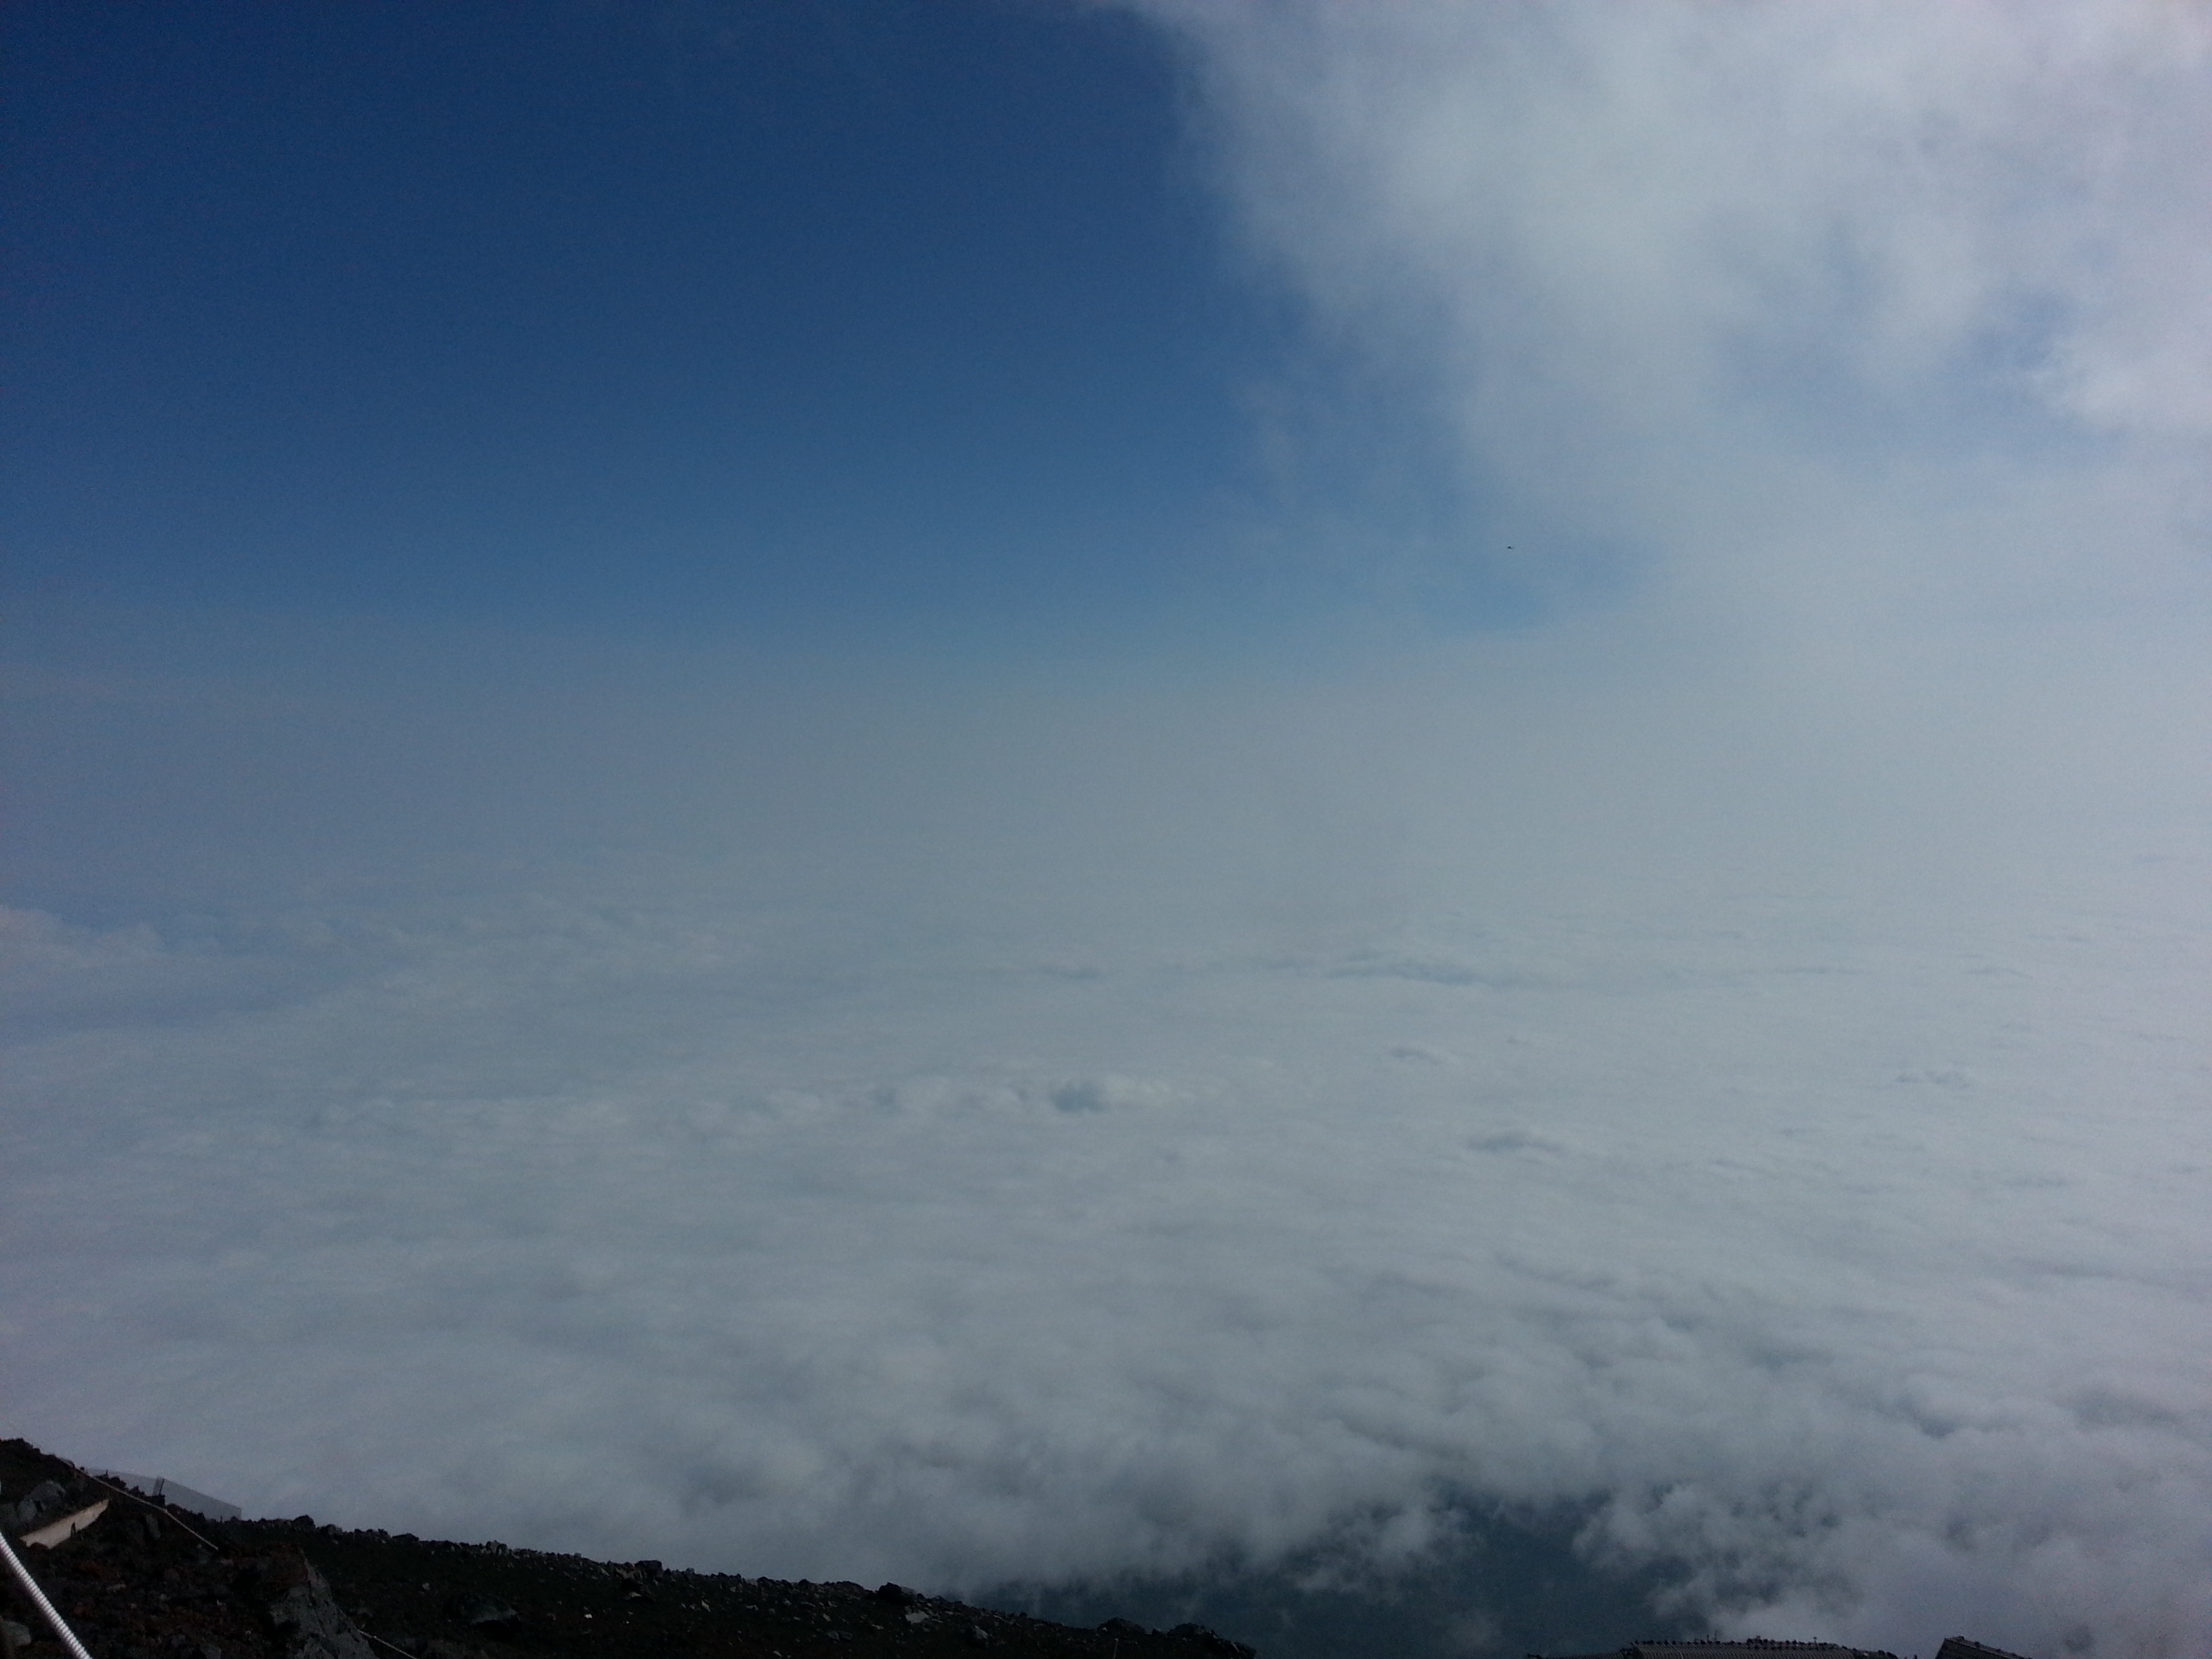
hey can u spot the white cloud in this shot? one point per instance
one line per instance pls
(1194, 1153)
(1832, 317)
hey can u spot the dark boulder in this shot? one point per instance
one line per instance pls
(1213, 1642)
(484, 1613)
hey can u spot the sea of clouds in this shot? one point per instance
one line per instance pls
(1205, 1140)
(1726, 1064)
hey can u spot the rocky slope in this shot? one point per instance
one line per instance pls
(145, 1581)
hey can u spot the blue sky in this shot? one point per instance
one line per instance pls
(875, 315)
(1190, 807)
(1009, 327)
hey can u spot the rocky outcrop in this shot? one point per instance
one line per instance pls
(305, 1614)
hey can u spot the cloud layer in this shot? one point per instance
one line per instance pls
(1029, 1160)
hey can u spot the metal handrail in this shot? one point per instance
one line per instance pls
(31, 1587)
